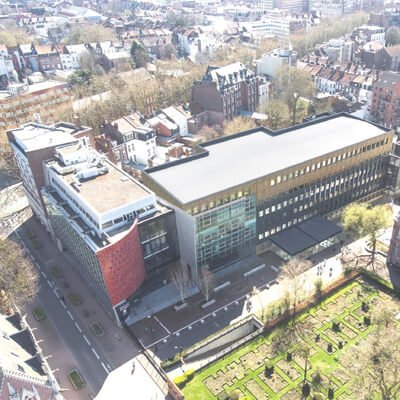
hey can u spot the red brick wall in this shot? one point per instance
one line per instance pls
(122, 265)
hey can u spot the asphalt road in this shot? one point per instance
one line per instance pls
(91, 360)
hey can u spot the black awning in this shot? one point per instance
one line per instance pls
(293, 241)
(309, 233)
(319, 228)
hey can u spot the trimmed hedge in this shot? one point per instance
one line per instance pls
(181, 380)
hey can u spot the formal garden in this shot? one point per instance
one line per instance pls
(340, 348)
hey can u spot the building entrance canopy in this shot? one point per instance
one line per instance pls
(310, 233)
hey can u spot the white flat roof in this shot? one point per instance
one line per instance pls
(32, 137)
(241, 159)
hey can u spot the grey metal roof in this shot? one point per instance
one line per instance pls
(293, 241)
(319, 228)
(302, 236)
(243, 158)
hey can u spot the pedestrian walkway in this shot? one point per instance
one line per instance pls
(117, 344)
(158, 300)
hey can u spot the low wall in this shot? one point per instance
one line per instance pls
(223, 340)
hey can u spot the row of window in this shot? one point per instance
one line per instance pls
(219, 202)
(319, 189)
(324, 163)
(288, 224)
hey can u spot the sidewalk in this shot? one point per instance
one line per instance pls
(116, 343)
(60, 359)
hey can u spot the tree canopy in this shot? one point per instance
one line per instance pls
(139, 55)
(392, 36)
(90, 34)
(289, 85)
(278, 114)
(13, 37)
(238, 124)
(362, 219)
(18, 279)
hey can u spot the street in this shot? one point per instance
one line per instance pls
(90, 358)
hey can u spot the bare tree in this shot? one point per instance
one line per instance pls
(376, 365)
(180, 277)
(14, 209)
(293, 273)
(206, 282)
(18, 278)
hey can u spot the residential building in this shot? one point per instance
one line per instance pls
(73, 56)
(7, 69)
(261, 190)
(24, 372)
(43, 101)
(370, 33)
(135, 139)
(372, 55)
(177, 117)
(391, 58)
(339, 50)
(224, 92)
(270, 63)
(107, 221)
(385, 108)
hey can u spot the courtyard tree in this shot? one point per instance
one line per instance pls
(82, 77)
(278, 114)
(139, 55)
(291, 84)
(293, 275)
(362, 219)
(238, 124)
(206, 282)
(376, 365)
(180, 277)
(18, 278)
(392, 36)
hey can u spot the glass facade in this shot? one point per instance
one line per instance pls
(159, 240)
(226, 233)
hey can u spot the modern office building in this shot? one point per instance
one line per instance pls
(104, 219)
(261, 190)
(31, 144)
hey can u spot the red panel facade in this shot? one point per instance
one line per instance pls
(122, 265)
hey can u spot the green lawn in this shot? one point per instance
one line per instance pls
(244, 370)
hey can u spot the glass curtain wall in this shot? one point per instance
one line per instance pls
(226, 233)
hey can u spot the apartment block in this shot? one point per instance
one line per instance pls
(385, 100)
(261, 190)
(42, 101)
(224, 92)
